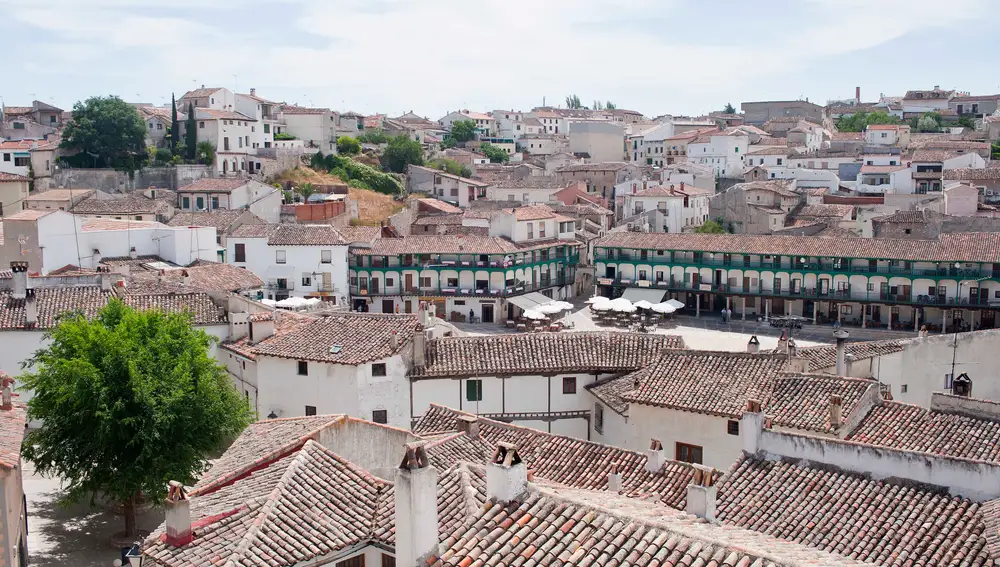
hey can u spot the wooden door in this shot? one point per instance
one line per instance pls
(408, 283)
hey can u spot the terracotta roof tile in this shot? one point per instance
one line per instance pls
(214, 185)
(913, 428)
(12, 429)
(882, 522)
(200, 306)
(205, 278)
(825, 357)
(220, 219)
(825, 211)
(130, 204)
(12, 178)
(288, 322)
(343, 339)
(306, 235)
(973, 174)
(51, 303)
(531, 353)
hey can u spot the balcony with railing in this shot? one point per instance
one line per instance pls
(461, 262)
(811, 265)
(843, 293)
(441, 289)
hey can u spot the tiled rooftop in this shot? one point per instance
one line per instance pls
(12, 431)
(557, 458)
(220, 219)
(288, 322)
(131, 204)
(882, 522)
(532, 353)
(913, 428)
(360, 337)
(199, 305)
(825, 357)
(973, 174)
(604, 166)
(963, 247)
(203, 278)
(306, 235)
(214, 185)
(720, 383)
(825, 211)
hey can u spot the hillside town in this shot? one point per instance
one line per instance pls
(558, 335)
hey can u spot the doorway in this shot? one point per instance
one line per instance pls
(388, 306)
(408, 283)
(609, 272)
(487, 313)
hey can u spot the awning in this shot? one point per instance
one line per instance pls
(634, 294)
(537, 298)
(523, 302)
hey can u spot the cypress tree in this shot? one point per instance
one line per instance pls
(175, 130)
(191, 139)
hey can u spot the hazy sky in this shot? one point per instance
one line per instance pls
(432, 56)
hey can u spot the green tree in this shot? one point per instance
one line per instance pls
(573, 101)
(175, 127)
(191, 135)
(373, 137)
(348, 146)
(128, 401)
(463, 130)
(598, 105)
(729, 109)
(452, 167)
(858, 122)
(495, 154)
(110, 131)
(448, 142)
(995, 150)
(608, 105)
(928, 122)
(205, 152)
(966, 122)
(711, 227)
(163, 155)
(306, 189)
(402, 151)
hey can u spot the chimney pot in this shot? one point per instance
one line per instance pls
(30, 308)
(848, 364)
(468, 424)
(20, 273)
(506, 474)
(841, 336)
(836, 411)
(7, 394)
(416, 507)
(701, 493)
(614, 479)
(753, 345)
(419, 347)
(178, 516)
(654, 456)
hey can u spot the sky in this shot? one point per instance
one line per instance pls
(434, 56)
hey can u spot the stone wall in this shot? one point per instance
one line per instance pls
(111, 181)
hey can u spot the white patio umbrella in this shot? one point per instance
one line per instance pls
(622, 305)
(549, 308)
(268, 302)
(664, 308)
(643, 304)
(292, 303)
(606, 305)
(534, 314)
(675, 303)
(597, 299)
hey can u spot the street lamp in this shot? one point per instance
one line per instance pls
(131, 556)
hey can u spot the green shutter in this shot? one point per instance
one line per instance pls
(474, 390)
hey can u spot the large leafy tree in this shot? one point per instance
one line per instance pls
(175, 127)
(110, 131)
(711, 227)
(191, 133)
(463, 130)
(573, 101)
(402, 151)
(729, 109)
(495, 154)
(128, 401)
(348, 146)
(857, 122)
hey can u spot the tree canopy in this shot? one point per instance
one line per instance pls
(858, 122)
(128, 401)
(729, 109)
(928, 122)
(175, 127)
(348, 145)
(452, 167)
(711, 227)
(573, 101)
(191, 134)
(110, 131)
(402, 151)
(495, 154)
(463, 130)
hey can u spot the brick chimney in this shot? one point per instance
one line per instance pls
(7, 392)
(468, 424)
(654, 456)
(30, 308)
(506, 474)
(848, 364)
(394, 341)
(261, 328)
(614, 479)
(701, 493)
(132, 253)
(178, 516)
(841, 336)
(753, 345)
(751, 426)
(239, 325)
(253, 91)
(836, 411)
(20, 272)
(416, 507)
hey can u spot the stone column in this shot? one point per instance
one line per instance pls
(864, 315)
(815, 311)
(697, 305)
(765, 309)
(916, 320)
(889, 307)
(743, 312)
(944, 320)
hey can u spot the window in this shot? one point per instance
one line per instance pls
(356, 561)
(569, 385)
(326, 256)
(279, 256)
(378, 369)
(19, 125)
(733, 427)
(225, 143)
(215, 203)
(21, 161)
(531, 230)
(186, 203)
(599, 418)
(780, 161)
(381, 416)
(452, 282)
(310, 410)
(241, 251)
(267, 128)
(885, 134)
(303, 368)
(948, 382)
(473, 390)
(159, 126)
(200, 203)
(307, 279)
(902, 389)
(688, 453)
(201, 124)
(425, 282)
